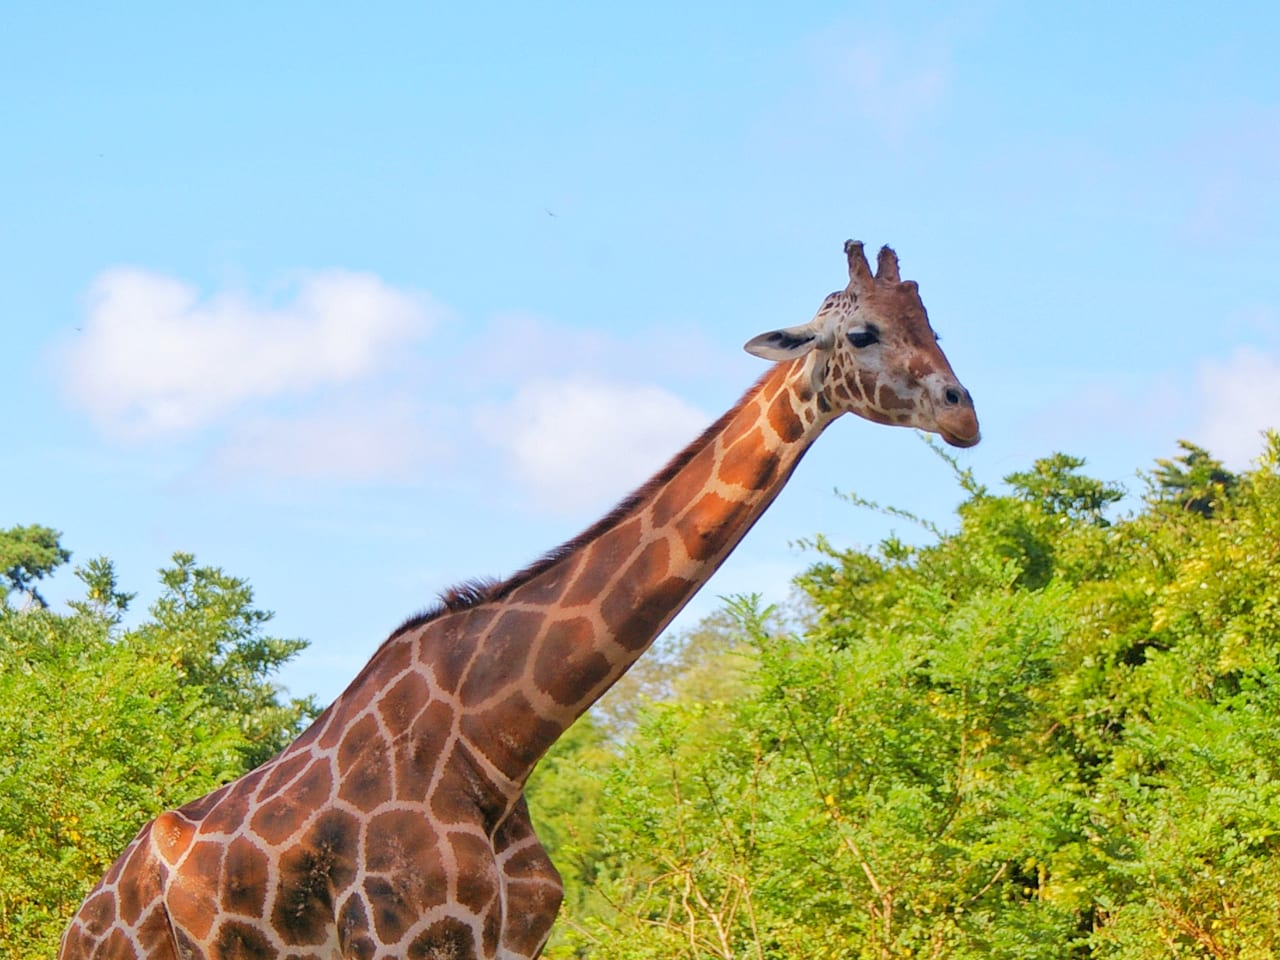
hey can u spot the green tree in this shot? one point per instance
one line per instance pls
(214, 635)
(102, 728)
(29, 554)
(1047, 734)
(1193, 481)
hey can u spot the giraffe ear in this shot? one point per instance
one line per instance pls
(786, 344)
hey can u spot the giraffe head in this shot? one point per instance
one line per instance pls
(872, 352)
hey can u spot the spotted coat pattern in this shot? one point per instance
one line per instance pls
(396, 825)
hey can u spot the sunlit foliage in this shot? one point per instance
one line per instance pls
(1048, 733)
(101, 728)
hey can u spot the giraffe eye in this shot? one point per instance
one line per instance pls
(865, 337)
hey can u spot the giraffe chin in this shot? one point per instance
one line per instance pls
(958, 441)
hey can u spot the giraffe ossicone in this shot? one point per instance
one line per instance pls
(395, 826)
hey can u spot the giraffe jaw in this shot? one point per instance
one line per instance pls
(958, 441)
(959, 429)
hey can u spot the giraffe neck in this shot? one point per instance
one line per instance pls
(565, 630)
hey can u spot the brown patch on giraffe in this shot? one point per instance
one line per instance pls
(360, 736)
(250, 784)
(365, 776)
(449, 645)
(443, 940)
(477, 882)
(98, 912)
(395, 657)
(116, 944)
(531, 864)
(309, 873)
(403, 846)
(138, 890)
(784, 420)
(204, 860)
(490, 798)
(244, 878)
(330, 724)
(280, 817)
(888, 399)
(191, 901)
(526, 927)
(140, 860)
(361, 693)
(601, 562)
(74, 942)
(391, 913)
(419, 752)
(567, 668)
(630, 595)
(675, 496)
(490, 931)
(510, 733)
(155, 933)
(749, 464)
(777, 380)
(228, 813)
(237, 940)
(632, 615)
(335, 836)
(283, 771)
(702, 528)
(546, 588)
(353, 930)
(170, 834)
(501, 658)
(404, 701)
(454, 800)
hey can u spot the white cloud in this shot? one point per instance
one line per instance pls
(578, 443)
(383, 441)
(154, 358)
(1239, 398)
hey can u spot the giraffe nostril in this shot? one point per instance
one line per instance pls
(953, 396)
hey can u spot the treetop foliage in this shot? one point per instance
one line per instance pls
(102, 728)
(1048, 733)
(28, 554)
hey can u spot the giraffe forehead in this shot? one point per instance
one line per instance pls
(894, 308)
(897, 307)
(838, 311)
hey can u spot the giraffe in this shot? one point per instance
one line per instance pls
(396, 826)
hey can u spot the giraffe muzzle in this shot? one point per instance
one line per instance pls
(956, 420)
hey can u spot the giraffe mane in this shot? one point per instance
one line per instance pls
(477, 592)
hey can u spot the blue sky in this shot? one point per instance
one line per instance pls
(357, 306)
